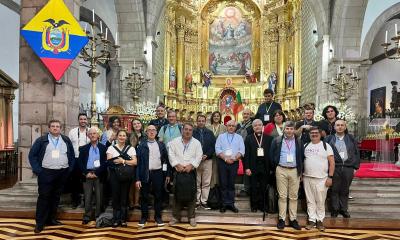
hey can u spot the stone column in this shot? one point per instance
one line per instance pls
(113, 78)
(41, 100)
(9, 121)
(282, 57)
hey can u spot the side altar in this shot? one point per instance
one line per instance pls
(217, 48)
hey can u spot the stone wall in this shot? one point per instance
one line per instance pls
(37, 102)
(308, 55)
(158, 61)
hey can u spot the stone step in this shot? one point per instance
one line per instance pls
(372, 202)
(369, 195)
(376, 208)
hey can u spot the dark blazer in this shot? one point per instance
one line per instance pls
(38, 149)
(158, 123)
(275, 152)
(143, 154)
(84, 156)
(353, 160)
(208, 145)
(250, 156)
(305, 135)
(262, 109)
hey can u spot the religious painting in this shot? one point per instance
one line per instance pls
(230, 43)
(172, 78)
(377, 102)
(227, 101)
(289, 77)
(272, 81)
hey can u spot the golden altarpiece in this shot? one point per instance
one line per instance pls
(217, 48)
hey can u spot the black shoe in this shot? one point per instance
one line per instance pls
(54, 223)
(243, 193)
(142, 222)
(334, 214)
(38, 229)
(281, 224)
(159, 222)
(234, 209)
(115, 224)
(294, 224)
(75, 205)
(124, 224)
(253, 209)
(345, 214)
(222, 209)
(84, 222)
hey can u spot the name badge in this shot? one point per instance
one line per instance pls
(341, 155)
(266, 117)
(289, 158)
(164, 167)
(55, 154)
(260, 152)
(228, 152)
(96, 163)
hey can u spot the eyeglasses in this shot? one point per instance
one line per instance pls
(151, 130)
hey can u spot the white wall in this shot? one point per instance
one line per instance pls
(374, 9)
(9, 52)
(105, 9)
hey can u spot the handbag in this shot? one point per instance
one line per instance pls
(185, 187)
(214, 198)
(240, 170)
(124, 172)
(272, 199)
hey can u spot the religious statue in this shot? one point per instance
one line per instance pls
(172, 78)
(207, 76)
(250, 77)
(289, 77)
(272, 80)
(188, 82)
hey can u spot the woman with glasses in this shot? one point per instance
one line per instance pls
(217, 128)
(275, 128)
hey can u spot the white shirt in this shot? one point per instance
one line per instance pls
(179, 153)
(154, 156)
(78, 139)
(316, 162)
(114, 153)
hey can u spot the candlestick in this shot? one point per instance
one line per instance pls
(93, 15)
(386, 34)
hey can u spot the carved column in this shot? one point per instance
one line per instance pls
(180, 53)
(282, 54)
(9, 144)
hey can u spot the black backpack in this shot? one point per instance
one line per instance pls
(214, 198)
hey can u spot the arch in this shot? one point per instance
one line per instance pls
(247, 3)
(376, 26)
(321, 15)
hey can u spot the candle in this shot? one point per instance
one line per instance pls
(158, 99)
(116, 38)
(85, 27)
(134, 63)
(349, 68)
(356, 74)
(106, 32)
(91, 28)
(386, 40)
(101, 27)
(338, 69)
(140, 70)
(395, 29)
(93, 15)
(352, 71)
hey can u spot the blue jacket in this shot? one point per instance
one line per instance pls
(143, 153)
(353, 153)
(275, 153)
(38, 149)
(84, 156)
(208, 144)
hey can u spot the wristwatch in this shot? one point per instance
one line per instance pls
(330, 177)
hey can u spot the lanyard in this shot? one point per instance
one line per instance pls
(215, 131)
(79, 134)
(269, 107)
(169, 131)
(227, 138)
(55, 143)
(259, 142)
(185, 146)
(288, 146)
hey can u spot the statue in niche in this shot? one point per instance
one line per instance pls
(207, 76)
(172, 78)
(250, 77)
(188, 82)
(272, 80)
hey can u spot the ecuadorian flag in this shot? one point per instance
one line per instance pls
(55, 36)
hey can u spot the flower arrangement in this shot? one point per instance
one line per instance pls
(345, 112)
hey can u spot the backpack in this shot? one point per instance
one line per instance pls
(323, 142)
(104, 220)
(124, 172)
(185, 187)
(214, 198)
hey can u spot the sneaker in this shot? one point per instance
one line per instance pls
(294, 224)
(159, 222)
(310, 225)
(281, 224)
(320, 226)
(142, 223)
(206, 207)
(192, 222)
(350, 197)
(173, 221)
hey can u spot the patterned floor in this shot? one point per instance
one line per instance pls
(23, 229)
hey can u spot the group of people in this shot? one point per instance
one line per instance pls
(195, 159)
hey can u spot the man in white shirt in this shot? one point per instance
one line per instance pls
(185, 154)
(79, 138)
(319, 166)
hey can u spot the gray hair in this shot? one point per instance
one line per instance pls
(290, 124)
(231, 122)
(95, 129)
(256, 121)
